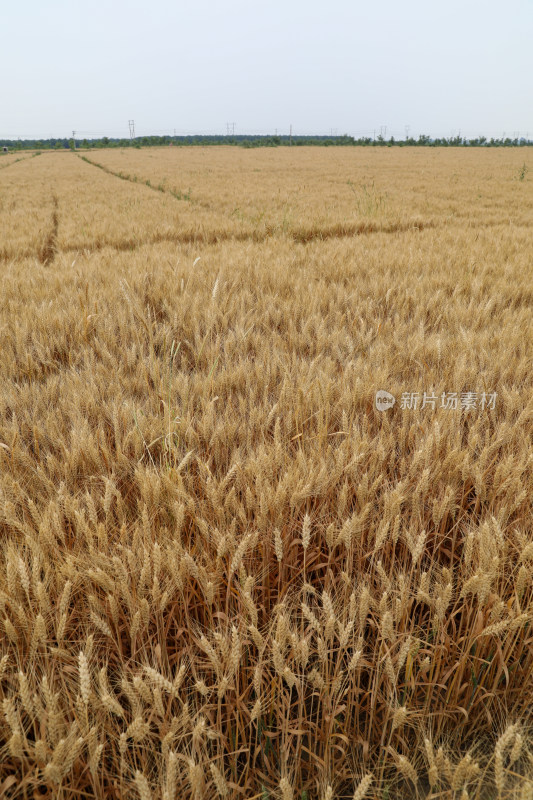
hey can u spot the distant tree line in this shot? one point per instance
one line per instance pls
(261, 141)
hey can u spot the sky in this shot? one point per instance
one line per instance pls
(341, 66)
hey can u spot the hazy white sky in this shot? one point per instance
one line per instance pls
(341, 65)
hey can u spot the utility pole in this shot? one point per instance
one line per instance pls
(290, 136)
(74, 138)
(230, 128)
(131, 123)
(407, 129)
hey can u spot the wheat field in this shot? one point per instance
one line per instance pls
(224, 572)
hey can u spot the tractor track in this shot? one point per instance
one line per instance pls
(48, 251)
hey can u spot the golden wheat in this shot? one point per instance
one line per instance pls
(223, 571)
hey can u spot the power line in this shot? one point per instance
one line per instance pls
(131, 123)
